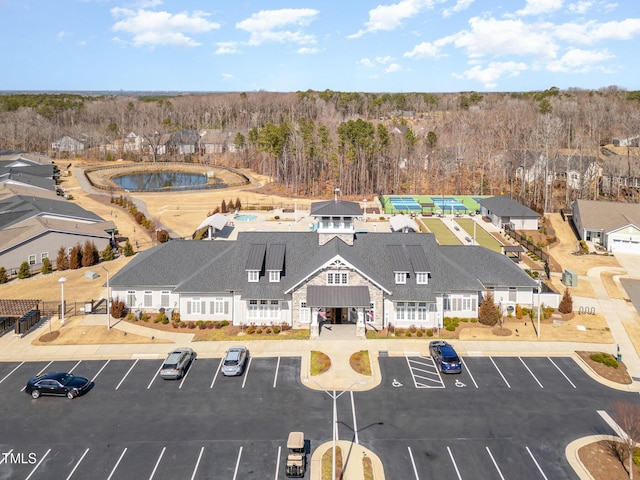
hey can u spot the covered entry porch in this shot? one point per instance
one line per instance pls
(342, 306)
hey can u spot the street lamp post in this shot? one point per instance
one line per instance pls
(539, 287)
(61, 280)
(335, 397)
(108, 298)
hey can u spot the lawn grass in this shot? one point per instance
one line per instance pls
(483, 237)
(441, 231)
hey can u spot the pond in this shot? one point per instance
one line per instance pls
(165, 181)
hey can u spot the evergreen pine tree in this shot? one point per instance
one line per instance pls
(128, 249)
(566, 304)
(25, 270)
(46, 266)
(62, 260)
(488, 313)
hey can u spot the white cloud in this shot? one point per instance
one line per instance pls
(390, 17)
(429, 49)
(365, 62)
(61, 35)
(307, 50)
(225, 48)
(490, 74)
(460, 6)
(227, 77)
(265, 26)
(384, 60)
(592, 31)
(497, 38)
(161, 28)
(539, 7)
(392, 68)
(580, 7)
(578, 60)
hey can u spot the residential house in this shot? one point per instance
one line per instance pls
(23, 169)
(331, 275)
(509, 214)
(67, 144)
(182, 142)
(213, 141)
(613, 225)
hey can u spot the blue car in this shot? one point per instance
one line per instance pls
(445, 357)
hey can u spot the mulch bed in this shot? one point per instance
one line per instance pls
(602, 463)
(618, 375)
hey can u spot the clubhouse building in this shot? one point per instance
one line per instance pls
(331, 275)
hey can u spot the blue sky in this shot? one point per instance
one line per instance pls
(356, 45)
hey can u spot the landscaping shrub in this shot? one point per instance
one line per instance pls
(191, 325)
(144, 317)
(165, 321)
(161, 319)
(25, 271)
(217, 325)
(224, 323)
(429, 332)
(258, 331)
(4, 278)
(413, 329)
(267, 331)
(566, 304)
(407, 333)
(605, 358)
(276, 329)
(519, 312)
(209, 324)
(419, 333)
(251, 329)
(46, 266)
(488, 313)
(118, 309)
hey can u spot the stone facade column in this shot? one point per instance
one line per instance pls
(314, 330)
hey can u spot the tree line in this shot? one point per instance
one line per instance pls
(364, 143)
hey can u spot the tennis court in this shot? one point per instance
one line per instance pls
(405, 204)
(448, 203)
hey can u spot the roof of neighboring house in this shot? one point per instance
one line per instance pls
(19, 157)
(336, 208)
(607, 216)
(35, 227)
(17, 208)
(504, 206)
(208, 267)
(208, 137)
(184, 137)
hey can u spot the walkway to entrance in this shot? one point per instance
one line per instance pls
(329, 331)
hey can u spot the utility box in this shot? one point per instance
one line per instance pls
(569, 278)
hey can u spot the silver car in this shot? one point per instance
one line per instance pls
(177, 363)
(235, 361)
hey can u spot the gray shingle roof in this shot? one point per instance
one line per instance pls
(607, 216)
(504, 206)
(208, 267)
(334, 208)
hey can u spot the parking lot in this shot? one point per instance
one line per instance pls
(502, 417)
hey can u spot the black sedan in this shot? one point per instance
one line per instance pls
(58, 384)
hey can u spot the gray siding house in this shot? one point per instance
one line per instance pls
(614, 225)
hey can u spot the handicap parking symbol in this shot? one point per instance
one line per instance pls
(459, 384)
(395, 383)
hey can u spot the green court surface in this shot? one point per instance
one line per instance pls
(469, 201)
(483, 237)
(440, 230)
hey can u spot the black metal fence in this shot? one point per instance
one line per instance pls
(528, 244)
(71, 309)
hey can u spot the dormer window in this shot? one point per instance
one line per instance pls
(422, 278)
(401, 278)
(274, 276)
(254, 275)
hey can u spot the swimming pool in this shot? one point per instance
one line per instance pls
(245, 218)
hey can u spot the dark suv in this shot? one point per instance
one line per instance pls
(445, 357)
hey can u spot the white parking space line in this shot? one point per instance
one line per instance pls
(155, 375)
(127, 374)
(355, 422)
(39, 373)
(235, 472)
(455, 465)
(537, 464)
(195, 469)
(469, 372)
(78, 463)
(529, 370)
(8, 374)
(100, 371)
(614, 426)
(560, 370)
(216, 374)
(38, 464)
(157, 463)
(494, 463)
(504, 379)
(186, 375)
(277, 463)
(246, 372)
(117, 463)
(75, 366)
(413, 464)
(275, 377)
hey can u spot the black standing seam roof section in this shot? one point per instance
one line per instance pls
(331, 296)
(275, 257)
(418, 258)
(255, 260)
(397, 258)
